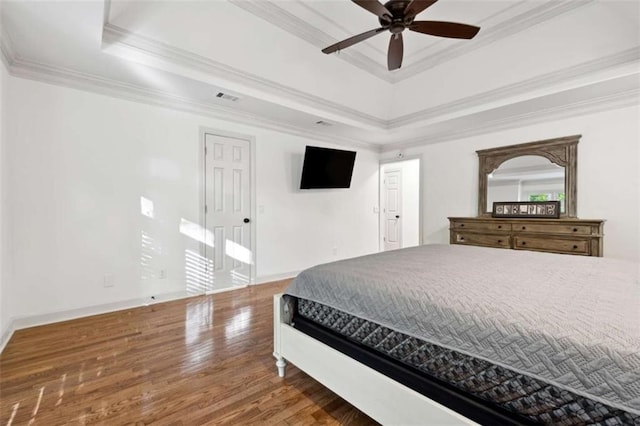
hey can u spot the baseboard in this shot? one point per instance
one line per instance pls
(18, 323)
(6, 335)
(264, 279)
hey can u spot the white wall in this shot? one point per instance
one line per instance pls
(80, 163)
(608, 175)
(410, 209)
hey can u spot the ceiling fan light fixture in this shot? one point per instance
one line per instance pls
(397, 16)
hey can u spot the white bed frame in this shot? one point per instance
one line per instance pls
(378, 396)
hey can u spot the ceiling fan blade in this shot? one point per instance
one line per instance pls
(445, 29)
(352, 40)
(417, 6)
(396, 49)
(375, 7)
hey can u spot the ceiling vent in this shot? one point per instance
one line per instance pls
(323, 123)
(227, 97)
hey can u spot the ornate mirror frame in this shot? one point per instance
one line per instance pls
(561, 151)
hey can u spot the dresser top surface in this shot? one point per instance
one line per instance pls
(520, 219)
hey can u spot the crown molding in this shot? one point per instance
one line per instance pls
(115, 36)
(61, 76)
(6, 47)
(290, 23)
(545, 12)
(88, 82)
(502, 94)
(286, 21)
(590, 106)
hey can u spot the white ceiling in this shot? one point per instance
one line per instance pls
(533, 60)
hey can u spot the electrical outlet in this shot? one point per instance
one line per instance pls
(109, 280)
(163, 274)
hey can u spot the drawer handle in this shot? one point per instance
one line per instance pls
(575, 247)
(524, 243)
(499, 241)
(575, 229)
(462, 225)
(461, 238)
(499, 226)
(524, 227)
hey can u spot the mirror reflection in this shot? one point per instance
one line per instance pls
(526, 178)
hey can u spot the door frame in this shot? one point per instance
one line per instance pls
(203, 194)
(384, 202)
(384, 162)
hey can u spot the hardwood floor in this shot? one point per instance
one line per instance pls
(203, 360)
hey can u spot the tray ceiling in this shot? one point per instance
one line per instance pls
(532, 60)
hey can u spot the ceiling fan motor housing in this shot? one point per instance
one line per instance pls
(397, 20)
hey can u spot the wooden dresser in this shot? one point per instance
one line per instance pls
(568, 236)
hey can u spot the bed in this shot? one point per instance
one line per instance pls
(447, 334)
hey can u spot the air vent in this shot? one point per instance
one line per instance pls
(323, 123)
(227, 97)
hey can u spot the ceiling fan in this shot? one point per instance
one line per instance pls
(397, 16)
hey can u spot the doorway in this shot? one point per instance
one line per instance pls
(400, 204)
(228, 211)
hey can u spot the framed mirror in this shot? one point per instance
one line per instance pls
(535, 171)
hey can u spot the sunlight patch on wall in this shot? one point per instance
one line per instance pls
(198, 272)
(238, 252)
(196, 232)
(146, 207)
(149, 249)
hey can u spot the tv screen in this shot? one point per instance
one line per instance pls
(327, 168)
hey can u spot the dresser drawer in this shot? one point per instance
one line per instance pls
(482, 226)
(556, 245)
(487, 240)
(553, 228)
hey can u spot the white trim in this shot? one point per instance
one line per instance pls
(8, 53)
(375, 394)
(421, 189)
(6, 335)
(113, 35)
(253, 196)
(275, 15)
(621, 62)
(19, 323)
(106, 12)
(626, 61)
(265, 279)
(224, 290)
(93, 83)
(286, 21)
(513, 25)
(590, 106)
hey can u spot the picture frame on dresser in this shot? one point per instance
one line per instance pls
(526, 209)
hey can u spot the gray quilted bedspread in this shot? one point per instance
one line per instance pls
(571, 321)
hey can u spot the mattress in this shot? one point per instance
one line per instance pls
(566, 321)
(530, 398)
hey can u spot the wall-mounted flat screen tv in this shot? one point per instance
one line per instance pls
(327, 168)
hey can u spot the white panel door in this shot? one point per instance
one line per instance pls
(392, 209)
(228, 208)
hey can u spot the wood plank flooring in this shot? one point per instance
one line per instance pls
(202, 360)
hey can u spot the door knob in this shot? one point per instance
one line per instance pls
(397, 216)
(246, 220)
